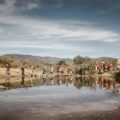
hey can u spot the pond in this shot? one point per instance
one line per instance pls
(48, 98)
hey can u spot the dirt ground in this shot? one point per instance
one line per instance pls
(109, 115)
(19, 115)
(15, 73)
(115, 115)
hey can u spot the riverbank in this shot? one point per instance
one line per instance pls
(16, 72)
(106, 115)
(35, 111)
(15, 75)
(109, 115)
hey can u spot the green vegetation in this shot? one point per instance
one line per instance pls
(5, 60)
(80, 60)
(17, 63)
(62, 62)
(117, 76)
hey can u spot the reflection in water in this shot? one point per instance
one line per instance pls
(7, 82)
(78, 82)
(31, 80)
(57, 95)
(22, 80)
(106, 83)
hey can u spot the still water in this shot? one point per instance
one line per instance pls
(50, 97)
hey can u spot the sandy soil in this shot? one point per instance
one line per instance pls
(109, 115)
(107, 74)
(15, 73)
(24, 115)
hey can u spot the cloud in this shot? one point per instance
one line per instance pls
(109, 6)
(26, 5)
(29, 6)
(19, 30)
(36, 45)
(7, 6)
(14, 6)
(54, 37)
(44, 29)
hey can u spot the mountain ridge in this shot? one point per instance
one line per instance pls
(43, 59)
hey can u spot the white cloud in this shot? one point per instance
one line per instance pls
(7, 6)
(34, 45)
(51, 35)
(28, 6)
(32, 6)
(45, 29)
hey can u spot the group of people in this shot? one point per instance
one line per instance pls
(103, 67)
(81, 70)
(8, 67)
(32, 70)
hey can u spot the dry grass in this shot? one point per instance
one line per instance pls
(15, 73)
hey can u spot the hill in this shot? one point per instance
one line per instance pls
(38, 59)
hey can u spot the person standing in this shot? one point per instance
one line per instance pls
(104, 67)
(22, 71)
(44, 70)
(7, 69)
(32, 71)
(22, 74)
(118, 64)
(99, 69)
(51, 70)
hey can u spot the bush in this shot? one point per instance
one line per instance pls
(80, 60)
(61, 62)
(117, 77)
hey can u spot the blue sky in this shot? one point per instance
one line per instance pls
(61, 28)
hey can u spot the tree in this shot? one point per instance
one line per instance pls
(117, 76)
(62, 62)
(78, 60)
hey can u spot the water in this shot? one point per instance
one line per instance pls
(51, 97)
(88, 89)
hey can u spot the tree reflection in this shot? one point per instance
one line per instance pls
(84, 82)
(117, 76)
(78, 82)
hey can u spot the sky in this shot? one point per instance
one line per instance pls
(60, 28)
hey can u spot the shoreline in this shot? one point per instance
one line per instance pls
(15, 72)
(103, 115)
(33, 114)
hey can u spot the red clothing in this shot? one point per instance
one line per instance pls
(109, 66)
(99, 67)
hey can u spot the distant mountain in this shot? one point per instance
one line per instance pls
(46, 59)
(50, 60)
(105, 58)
